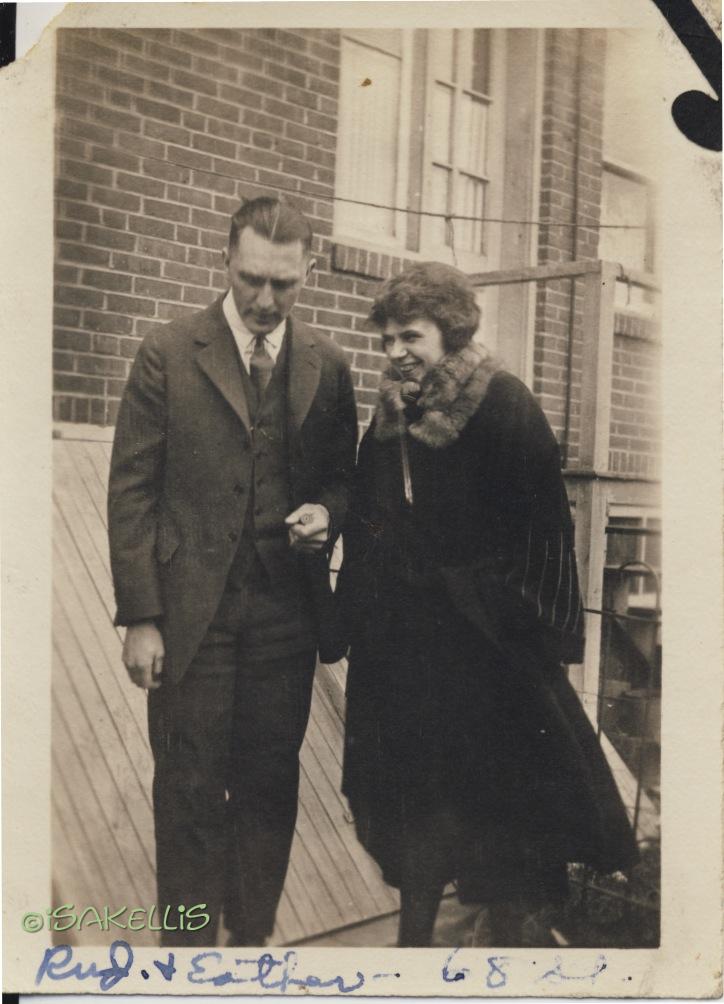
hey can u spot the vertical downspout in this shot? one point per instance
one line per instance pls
(574, 252)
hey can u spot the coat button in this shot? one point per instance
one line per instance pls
(239, 489)
(233, 536)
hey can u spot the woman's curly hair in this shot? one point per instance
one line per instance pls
(433, 291)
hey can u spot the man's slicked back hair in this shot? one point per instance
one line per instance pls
(273, 219)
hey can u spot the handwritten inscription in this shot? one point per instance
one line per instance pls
(284, 973)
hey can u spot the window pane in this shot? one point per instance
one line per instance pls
(481, 60)
(368, 138)
(388, 40)
(471, 135)
(437, 229)
(622, 547)
(442, 53)
(624, 200)
(471, 202)
(441, 123)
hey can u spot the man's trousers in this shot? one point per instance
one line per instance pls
(226, 743)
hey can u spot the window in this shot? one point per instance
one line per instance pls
(627, 192)
(417, 130)
(457, 135)
(368, 156)
(625, 199)
(633, 535)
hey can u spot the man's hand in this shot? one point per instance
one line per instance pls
(143, 654)
(308, 528)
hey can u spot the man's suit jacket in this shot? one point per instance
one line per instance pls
(181, 472)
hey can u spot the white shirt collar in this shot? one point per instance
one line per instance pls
(244, 338)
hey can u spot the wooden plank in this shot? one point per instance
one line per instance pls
(96, 635)
(328, 786)
(313, 867)
(536, 273)
(347, 876)
(597, 367)
(339, 837)
(76, 510)
(88, 803)
(101, 651)
(72, 863)
(81, 431)
(132, 778)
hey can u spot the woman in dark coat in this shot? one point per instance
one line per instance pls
(468, 757)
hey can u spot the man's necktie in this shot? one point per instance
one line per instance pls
(261, 366)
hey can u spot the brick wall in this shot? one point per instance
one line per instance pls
(635, 398)
(161, 134)
(570, 191)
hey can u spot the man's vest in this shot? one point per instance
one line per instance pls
(269, 497)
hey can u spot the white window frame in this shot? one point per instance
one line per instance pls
(404, 226)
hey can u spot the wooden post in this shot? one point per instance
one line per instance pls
(592, 495)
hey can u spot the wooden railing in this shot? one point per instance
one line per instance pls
(591, 485)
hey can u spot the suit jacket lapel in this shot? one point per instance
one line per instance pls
(305, 366)
(219, 359)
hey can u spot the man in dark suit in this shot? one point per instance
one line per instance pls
(229, 482)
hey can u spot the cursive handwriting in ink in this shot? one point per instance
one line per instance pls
(458, 974)
(556, 974)
(56, 965)
(267, 971)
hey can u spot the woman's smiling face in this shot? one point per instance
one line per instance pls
(413, 348)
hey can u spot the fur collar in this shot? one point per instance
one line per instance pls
(452, 392)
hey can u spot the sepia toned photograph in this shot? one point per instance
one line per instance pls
(383, 188)
(357, 498)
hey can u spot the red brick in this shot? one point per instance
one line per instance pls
(219, 109)
(76, 296)
(161, 249)
(116, 324)
(212, 221)
(78, 383)
(86, 172)
(152, 227)
(74, 341)
(140, 184)
(125, 201)
(240, 96)
(158, 110)
(67, 189)
(203, 258)
(172, 95)
(201, 296)
(169, 54)
(213, 181)
(84, 253)
(157, 289)
(187, 235)
(106, 345)
(102, 366)
(115, 219)
(189, 158)
(117, 78)
(110, 238)
(196, 43)
(166, 210)
(147, 68)
(114, 281)
(136, 264)
(189, 195)
(131, 305)
(186, 273)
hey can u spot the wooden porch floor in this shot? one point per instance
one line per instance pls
(102, 822)
(103, 846)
